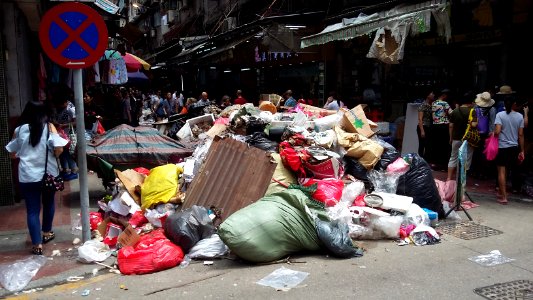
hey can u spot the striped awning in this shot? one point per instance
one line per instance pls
(352, 28)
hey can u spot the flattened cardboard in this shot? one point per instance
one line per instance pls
(130, 183)
(129, 237)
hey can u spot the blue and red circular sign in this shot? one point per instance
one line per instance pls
(73, 35)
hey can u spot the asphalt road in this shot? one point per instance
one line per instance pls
(386, 271)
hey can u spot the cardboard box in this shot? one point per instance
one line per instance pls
(129, 237)
(355, 121)
(132, 181)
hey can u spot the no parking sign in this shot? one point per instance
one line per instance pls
(73, 35)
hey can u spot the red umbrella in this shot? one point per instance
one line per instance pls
(134, 63)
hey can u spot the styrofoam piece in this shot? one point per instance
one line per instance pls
(396, 202)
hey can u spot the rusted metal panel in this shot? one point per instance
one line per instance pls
(233, 176)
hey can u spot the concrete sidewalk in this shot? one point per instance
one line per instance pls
(16, 244)
(15, 239)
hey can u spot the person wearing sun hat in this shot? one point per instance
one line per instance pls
(485, 114)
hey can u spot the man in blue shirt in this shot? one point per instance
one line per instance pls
(289, 100)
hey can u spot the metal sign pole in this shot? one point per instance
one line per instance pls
(82, 157)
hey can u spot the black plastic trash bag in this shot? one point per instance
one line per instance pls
(355, 168)
(419, 183)
(390, 154)
(254, 125)
(336, 237)
(188, 227)
(260, 140)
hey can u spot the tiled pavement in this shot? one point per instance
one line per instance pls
(15, 242)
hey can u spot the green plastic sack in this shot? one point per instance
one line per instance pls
(273, 227)
(160, 186)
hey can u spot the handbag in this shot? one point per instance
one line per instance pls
(472, 133)
(51, 183)
(73, 139)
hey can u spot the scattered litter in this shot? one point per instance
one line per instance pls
(56, 253)
(95, 271)
(76, 241)
(74, 278)
(98, 289)
(208, 262)
(123, 287)
(69, 249)
(283, 279)
(74, 292)
(29, 291)
(15, 276)
(362, 267)
(185, 262)
(39, 289)
(491, 259)
(86, 293)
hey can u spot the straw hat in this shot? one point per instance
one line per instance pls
(505, 90)
(484, 100)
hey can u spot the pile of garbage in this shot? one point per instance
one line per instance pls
(264, 184)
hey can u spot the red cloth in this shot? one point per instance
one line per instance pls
(240, 100)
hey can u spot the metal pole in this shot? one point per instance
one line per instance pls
(82, 158)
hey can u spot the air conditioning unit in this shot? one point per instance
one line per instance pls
(171, 16)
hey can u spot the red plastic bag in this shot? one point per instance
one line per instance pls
(330, 168)
(142, 170)
(329, 191)
(99, 128)
(291, 158)
(153, 253)
(491, 147)
(138, 219)
(95, 218)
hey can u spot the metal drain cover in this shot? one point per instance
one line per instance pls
(468, 230)
(514, 290)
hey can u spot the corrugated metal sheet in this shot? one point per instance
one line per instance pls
(233, 176)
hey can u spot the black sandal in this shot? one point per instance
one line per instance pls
(37, 250)
(48, 237)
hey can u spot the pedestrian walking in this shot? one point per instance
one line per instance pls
(32, 139)
(425, 121)
(510, 132)
(440, 136)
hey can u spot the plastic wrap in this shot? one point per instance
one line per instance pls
(211, 247)
(490, 259)
(417, 216)
(351, 191)
(283, 279)
(15, 276)
(383, 181)
(92, 251)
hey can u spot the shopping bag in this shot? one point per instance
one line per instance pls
(491, 147)
(98, 128)
(73, 140)
(472, 133)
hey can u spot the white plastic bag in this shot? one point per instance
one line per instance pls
(211, 247)
(16, 276)
(283, 279)
(416, 216)
(92, 251)
(351, 191)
